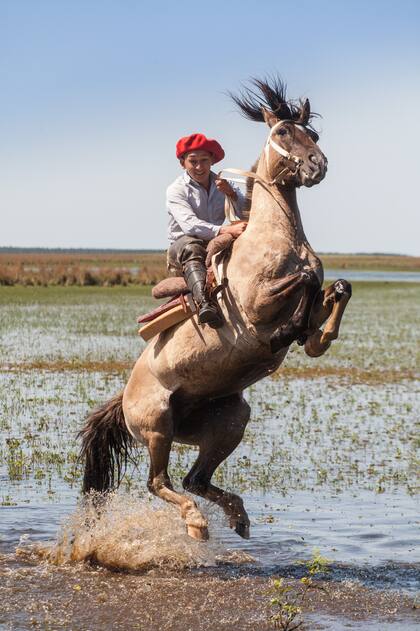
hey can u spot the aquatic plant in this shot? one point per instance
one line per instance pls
(287, 602)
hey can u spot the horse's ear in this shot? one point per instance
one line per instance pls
(269, 117)
(305, 112)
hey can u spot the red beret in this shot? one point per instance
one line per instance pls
(198, 142)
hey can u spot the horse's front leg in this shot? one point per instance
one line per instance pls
(296, 327)
(329, 307)
(217, 427)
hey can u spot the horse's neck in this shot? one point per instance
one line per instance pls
(275, 226)
(275, 212)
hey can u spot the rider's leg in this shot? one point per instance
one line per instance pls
(190, 253)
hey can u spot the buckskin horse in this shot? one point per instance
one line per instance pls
(187, 385)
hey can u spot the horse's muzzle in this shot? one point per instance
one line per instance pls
(313, 170)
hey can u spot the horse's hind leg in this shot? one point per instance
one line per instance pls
(217, 428)
(329, 308)
(159, 483)
(148, 415)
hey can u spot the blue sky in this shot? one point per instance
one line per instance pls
(94, 95)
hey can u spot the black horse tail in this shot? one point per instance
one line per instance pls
(106, 446)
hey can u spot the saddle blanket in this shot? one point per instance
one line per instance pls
(167, 315)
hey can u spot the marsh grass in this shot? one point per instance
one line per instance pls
(72, 326)
(45, 269)
(95, 328)
(136, 268)
(64, 350)
(360, 438)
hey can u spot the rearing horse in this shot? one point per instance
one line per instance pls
(187, 385)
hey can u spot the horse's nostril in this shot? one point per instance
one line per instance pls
(312, 158)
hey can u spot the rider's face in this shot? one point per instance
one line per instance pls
(198, 165)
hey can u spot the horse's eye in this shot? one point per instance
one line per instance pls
(282, 131)
(314, 136)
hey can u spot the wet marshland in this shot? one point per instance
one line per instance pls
(329, 461)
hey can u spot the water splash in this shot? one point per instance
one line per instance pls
(128, 533)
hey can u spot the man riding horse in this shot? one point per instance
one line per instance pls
(187, 385)
(195, 203)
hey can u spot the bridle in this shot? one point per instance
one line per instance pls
(280, 150)
(279, 179)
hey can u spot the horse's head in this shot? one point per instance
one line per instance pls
(292, 156)
(291, 153)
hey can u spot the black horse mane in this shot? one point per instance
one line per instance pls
(270, 94)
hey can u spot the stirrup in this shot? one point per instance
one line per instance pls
(213, 291)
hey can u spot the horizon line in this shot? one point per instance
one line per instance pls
(10, 249)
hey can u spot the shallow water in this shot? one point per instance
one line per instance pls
(326, 462)
(45, 585)
(381, 328)
(372, 276)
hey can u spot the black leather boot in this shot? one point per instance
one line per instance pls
(195, 276)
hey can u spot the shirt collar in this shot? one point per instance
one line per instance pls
(189, 180)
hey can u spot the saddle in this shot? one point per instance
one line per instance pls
(180, 305)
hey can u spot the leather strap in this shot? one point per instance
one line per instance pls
(270, 143)
(296, 162)
(230, 210)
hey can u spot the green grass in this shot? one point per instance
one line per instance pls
(89, 325)
(303, 436)
(70, 295)
(37, 268)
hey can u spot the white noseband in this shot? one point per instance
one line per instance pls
(278, 148)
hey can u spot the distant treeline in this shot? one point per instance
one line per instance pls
(18, 250)
(30, 250)
(43, 267)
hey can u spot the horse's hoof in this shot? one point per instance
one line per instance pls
(242, 530)
(313, 345)
(342, 287)
(201, 533)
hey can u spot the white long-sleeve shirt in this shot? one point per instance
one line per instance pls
(193, 211)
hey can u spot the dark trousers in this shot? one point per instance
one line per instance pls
(184, 250)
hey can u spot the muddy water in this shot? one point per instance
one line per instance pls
(327, 463)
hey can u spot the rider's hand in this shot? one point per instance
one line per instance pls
(235, 229)
(224, 187)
